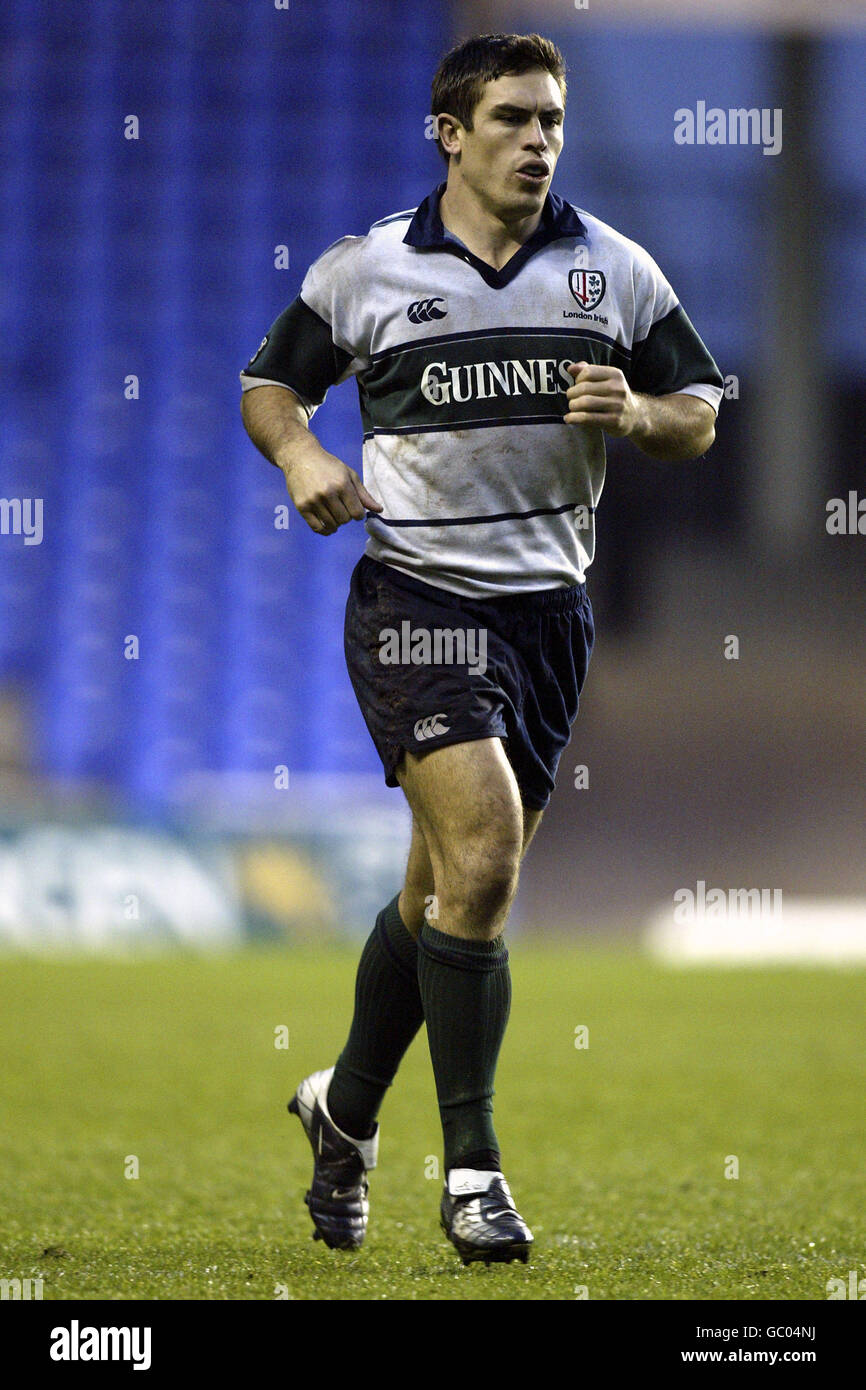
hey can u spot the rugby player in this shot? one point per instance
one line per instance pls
(496, 334)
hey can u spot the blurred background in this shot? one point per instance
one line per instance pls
(181, 754)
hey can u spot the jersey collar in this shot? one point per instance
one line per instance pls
(427, 233)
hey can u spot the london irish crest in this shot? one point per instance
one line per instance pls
(587, 286)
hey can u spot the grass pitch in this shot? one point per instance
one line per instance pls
(617, 1152)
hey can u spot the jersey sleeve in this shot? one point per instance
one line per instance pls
(668, 355)
(309, 348)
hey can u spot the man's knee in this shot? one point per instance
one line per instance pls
(480, 871)
(466, 799)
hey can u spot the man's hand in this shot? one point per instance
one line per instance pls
(676, 426)
(326, 492)
(601, 396)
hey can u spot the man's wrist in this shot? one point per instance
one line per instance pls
(290, 453)
(641, 427)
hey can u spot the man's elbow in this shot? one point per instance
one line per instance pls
(703, 431)
(699, 446)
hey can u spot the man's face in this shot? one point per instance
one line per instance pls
(509, 155)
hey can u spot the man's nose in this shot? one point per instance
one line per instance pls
(536, 137)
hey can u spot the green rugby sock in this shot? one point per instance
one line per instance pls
(388, 1014)
(466, 992)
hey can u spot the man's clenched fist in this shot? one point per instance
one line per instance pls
(601, 396)
(326, 492)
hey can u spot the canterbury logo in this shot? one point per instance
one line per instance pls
(423, 310)
(430, 727)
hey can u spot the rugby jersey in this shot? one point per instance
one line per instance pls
(461, 374)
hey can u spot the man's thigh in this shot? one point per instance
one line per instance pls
(464, 793)
(420, 856)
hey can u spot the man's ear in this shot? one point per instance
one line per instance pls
(447, 128)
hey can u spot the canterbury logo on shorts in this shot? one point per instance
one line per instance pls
(430, 727)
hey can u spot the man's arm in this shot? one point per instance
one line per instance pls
(326, 492)
(675, 426)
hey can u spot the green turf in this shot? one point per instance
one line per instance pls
(616, 1153)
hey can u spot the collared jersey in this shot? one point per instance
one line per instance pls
(462, 374)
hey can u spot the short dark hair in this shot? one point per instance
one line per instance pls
(463, 73)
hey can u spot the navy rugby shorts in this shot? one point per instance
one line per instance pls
(524, 663)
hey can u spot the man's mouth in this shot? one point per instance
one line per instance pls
(534, 171)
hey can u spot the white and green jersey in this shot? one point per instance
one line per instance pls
(461, 372)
